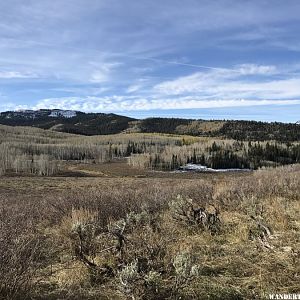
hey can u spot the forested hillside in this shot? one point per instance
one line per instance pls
(42, 152)
(103, 124)
(81, 123)
(259, 131)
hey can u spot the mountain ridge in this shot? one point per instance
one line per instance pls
(77, 122)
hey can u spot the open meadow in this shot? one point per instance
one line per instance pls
(82, 218)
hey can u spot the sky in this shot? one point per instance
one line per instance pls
(221, 59)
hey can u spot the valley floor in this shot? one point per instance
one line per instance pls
(61, 235)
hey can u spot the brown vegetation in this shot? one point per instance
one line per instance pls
(117, 238)
(123, 232)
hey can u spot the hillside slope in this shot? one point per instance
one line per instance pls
(67, 121)
(102, 124)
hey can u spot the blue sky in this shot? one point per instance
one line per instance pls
(222, 59)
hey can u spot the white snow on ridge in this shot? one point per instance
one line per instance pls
(63, 113)
(32, 114)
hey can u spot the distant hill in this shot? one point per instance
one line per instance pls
(100, 124)
(67, 121)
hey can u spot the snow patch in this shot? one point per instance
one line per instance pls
(200, 168)
(63, 113)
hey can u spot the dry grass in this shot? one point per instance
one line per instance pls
(159, 257)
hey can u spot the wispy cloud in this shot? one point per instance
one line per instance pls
(10, 106)
(253, 69)
(246, 81)
(133, 88)
(103, 71)
(135, 103)
(16, 75)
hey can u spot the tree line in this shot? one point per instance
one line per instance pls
(223, 154)
(36, 151)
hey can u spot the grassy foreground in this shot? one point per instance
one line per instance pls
(234, 237)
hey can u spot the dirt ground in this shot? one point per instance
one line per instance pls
(84, 176)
